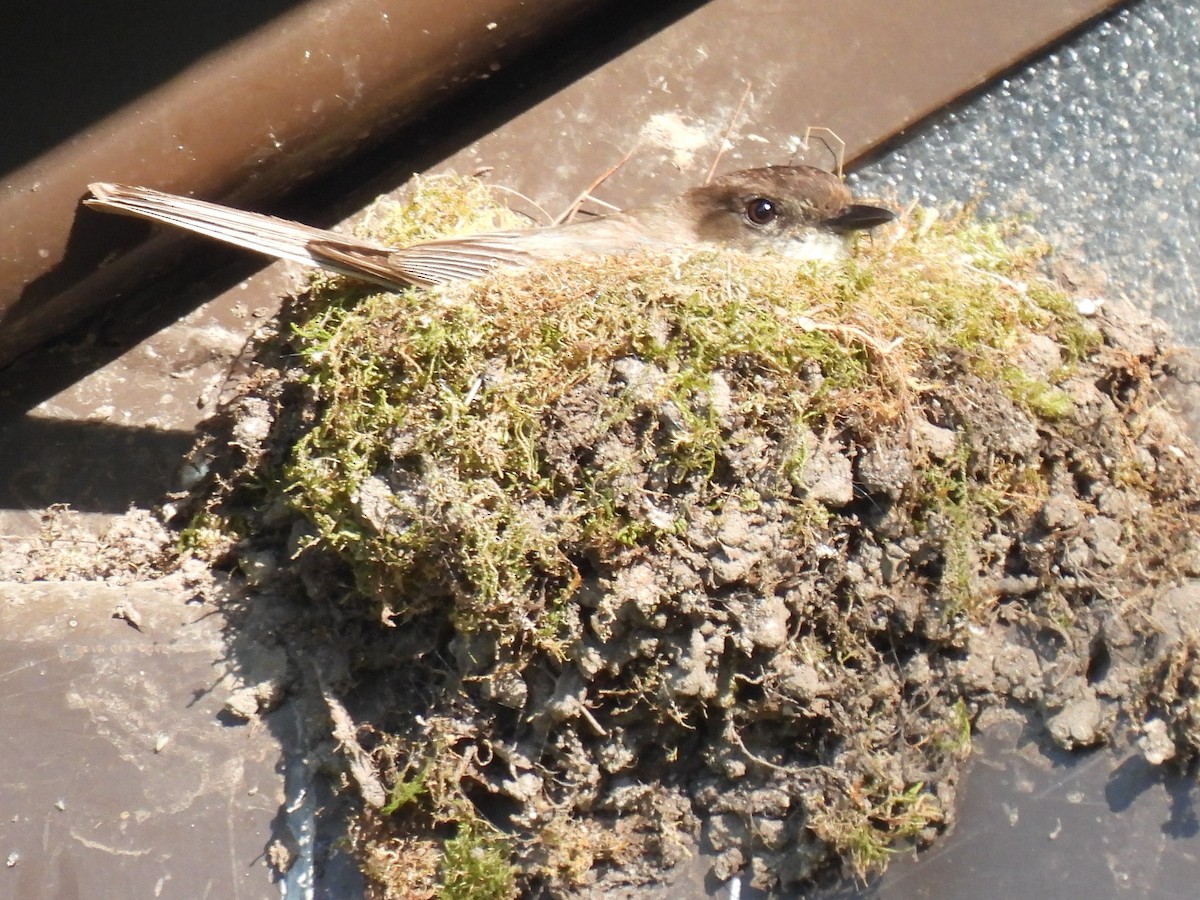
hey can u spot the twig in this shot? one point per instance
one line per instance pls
(569, 215)
(838, 155)
(529, 200)
(728, 131)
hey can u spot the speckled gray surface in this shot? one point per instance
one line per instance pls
(1098, 144)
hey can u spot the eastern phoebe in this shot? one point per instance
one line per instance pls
(796, 211)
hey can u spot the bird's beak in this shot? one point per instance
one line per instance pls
(858, 217)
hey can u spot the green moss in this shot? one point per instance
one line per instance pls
(868, 835)
(405, 790)
(957, 739)
(208, 534)
(475, 866)
(1043, 400)
(956, 509)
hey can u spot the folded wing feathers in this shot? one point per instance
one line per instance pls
(461, 258)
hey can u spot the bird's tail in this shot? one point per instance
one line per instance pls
(253, 231)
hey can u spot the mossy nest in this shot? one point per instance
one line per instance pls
(705, 549)
(477, 445)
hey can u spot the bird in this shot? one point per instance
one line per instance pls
(795, 211)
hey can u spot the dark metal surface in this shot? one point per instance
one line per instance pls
(1073, 826)
(108, 787)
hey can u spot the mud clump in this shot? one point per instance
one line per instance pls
(664, 553)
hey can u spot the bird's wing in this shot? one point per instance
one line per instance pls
(436, 262)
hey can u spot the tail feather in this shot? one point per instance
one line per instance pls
(252, 231)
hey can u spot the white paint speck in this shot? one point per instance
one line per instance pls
(672, 132)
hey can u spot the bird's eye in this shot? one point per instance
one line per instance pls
(761, 211)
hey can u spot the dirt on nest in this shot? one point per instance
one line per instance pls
(774, 651)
